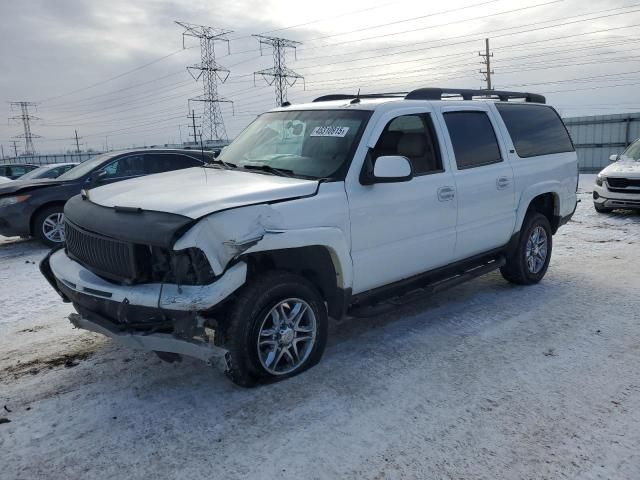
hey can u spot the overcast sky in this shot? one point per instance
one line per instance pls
(115, 70)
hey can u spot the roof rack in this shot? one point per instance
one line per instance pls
(442, 94)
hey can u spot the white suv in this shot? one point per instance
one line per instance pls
(618, 185)
(317, 210)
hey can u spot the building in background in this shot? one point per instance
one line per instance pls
(599, 136)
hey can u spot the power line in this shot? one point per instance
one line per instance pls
(210, 72)
(280, 76)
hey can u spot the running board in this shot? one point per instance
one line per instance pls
(419, 288)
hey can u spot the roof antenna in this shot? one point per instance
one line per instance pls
(357, 99)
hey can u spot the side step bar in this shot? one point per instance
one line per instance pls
(374, 303)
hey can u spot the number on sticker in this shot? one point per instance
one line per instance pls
(329, 131)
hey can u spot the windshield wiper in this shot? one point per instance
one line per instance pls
(282, 172)
(217, 162)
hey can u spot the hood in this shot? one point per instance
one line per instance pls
(19, 186)
(623, 168)
(195, 192)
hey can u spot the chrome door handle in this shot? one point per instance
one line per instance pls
(446, 194)
(502, 183)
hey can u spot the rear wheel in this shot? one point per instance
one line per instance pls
(528, 262)
(275, 328)
(48, 225)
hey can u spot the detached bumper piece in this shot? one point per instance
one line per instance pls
(158, 342)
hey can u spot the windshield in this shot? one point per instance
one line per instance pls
(85, 167)
(310, 143)
(632, 152)
(35, 173)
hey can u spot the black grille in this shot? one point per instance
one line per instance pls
(105, 256)
(623, 182)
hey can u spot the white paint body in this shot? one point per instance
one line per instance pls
(376, 234)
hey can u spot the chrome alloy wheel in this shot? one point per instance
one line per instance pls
(537, 250)
(53, 227)
(287, 335)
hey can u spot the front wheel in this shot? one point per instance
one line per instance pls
(528, 262)
(48, 226)
(275, 328)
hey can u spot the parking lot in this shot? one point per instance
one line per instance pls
(487, 380)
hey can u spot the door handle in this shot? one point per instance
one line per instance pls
(446, 194)
(502, 183)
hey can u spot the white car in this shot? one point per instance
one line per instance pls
(618, 185)
(318, 210)
(5, 180)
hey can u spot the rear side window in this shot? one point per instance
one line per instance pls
(473, 138)
(535, 129)
(166, 162)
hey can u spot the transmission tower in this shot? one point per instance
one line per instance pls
(25, 117)
(211, 73)
(487, 61)
(280, 76)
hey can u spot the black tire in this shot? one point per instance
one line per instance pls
(516, 269)
(245, 317)
(600, 209)
(39, 224)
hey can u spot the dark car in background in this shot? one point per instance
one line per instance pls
(35, 208)
(15, 170)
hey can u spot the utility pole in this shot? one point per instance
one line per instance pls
(487, 61)
(279, 75)
(26, 118)
(211, 73)
(77, 142)
(2, 149)
(15, 148)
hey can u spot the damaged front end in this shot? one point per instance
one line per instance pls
(138, 288)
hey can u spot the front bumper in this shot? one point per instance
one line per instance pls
(159, 317)
(14, 220)
(167, 296)
(603, 197)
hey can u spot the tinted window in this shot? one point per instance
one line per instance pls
(165, 162)
(411, 136)
(535, 129)
(17, 171)
(473, 138)
(129, 166)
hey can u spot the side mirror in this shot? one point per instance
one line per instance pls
(614, 158)
(392, 168)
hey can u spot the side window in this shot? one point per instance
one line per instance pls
(411, 136)
(473, 138)
(166, 162)
(17, 171)
(125, 167)
(535, 129)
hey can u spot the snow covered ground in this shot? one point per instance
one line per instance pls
(485, 381)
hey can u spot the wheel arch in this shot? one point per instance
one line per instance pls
(39, 210)
(316, 263)
(544, 199)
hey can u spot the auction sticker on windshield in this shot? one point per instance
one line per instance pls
(329, 131)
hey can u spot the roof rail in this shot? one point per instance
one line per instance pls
(441, 94)
(345, 96)
(468, 94)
